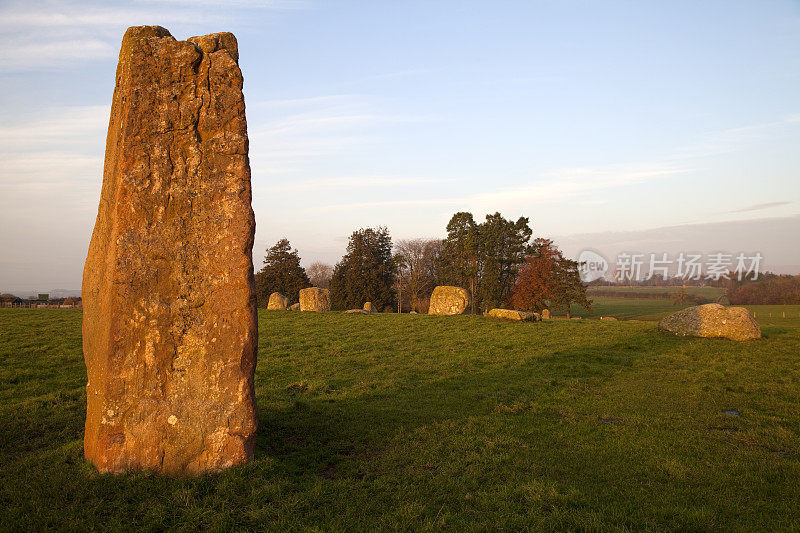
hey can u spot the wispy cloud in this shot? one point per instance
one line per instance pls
(17, 16)
(58, 126)
(558, 184)
(44, 35)
(284, 103)
(767, 235)
(252, 4)
(759, 207)
(729, 140)
(56, 54)
(359, 182)
(290, 131)
(40, 35)
(391, 76)
(50, 152)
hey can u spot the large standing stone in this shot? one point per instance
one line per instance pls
(169, 320)
(713, 320)
(315, 299)
(277, 302)
(447, 300)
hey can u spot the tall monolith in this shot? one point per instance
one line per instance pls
(169, 307)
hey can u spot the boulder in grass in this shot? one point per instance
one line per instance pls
(315, 299)
(545, 313)
(294, 307)
(358, 312)
(713, 320)
(370, 308)
(447, 300)
(277, 302)
(511, 314)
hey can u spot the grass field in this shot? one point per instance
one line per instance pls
(712, 293)
(650, 309)
(627, 308)
(417, 422)
(656, 309)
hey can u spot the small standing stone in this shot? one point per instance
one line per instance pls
(315, 299)
(277, 302)
(447, 300)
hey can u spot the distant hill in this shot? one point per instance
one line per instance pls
(53, 293)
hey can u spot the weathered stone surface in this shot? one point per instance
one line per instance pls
(169, 321)
(609, 318)
(510, 314)
(369, 307)
(315, 299)
(713, 320)
(447, 300)
(545, 313)
(277, 302)
(294, 307)
(358, 312)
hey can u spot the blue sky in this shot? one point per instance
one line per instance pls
(604, 122)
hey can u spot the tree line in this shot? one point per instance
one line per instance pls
(495, 261)
(770, 289)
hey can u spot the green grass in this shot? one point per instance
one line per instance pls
(776, 315)
(656, 309)
(712, 293)
(640, 308)
(413, 422)
(628, 308)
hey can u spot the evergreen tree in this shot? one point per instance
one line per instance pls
(458, 262)
(281, 273)
(366, 272)
(502, 248)
(484, 258)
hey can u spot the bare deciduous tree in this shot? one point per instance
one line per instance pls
(417, 258)
(320, 274)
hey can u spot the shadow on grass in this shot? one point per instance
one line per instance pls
(313, 433)
(401, 416)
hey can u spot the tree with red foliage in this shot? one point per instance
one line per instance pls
(548, 280)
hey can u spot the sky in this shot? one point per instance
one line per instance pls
(614, 125)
